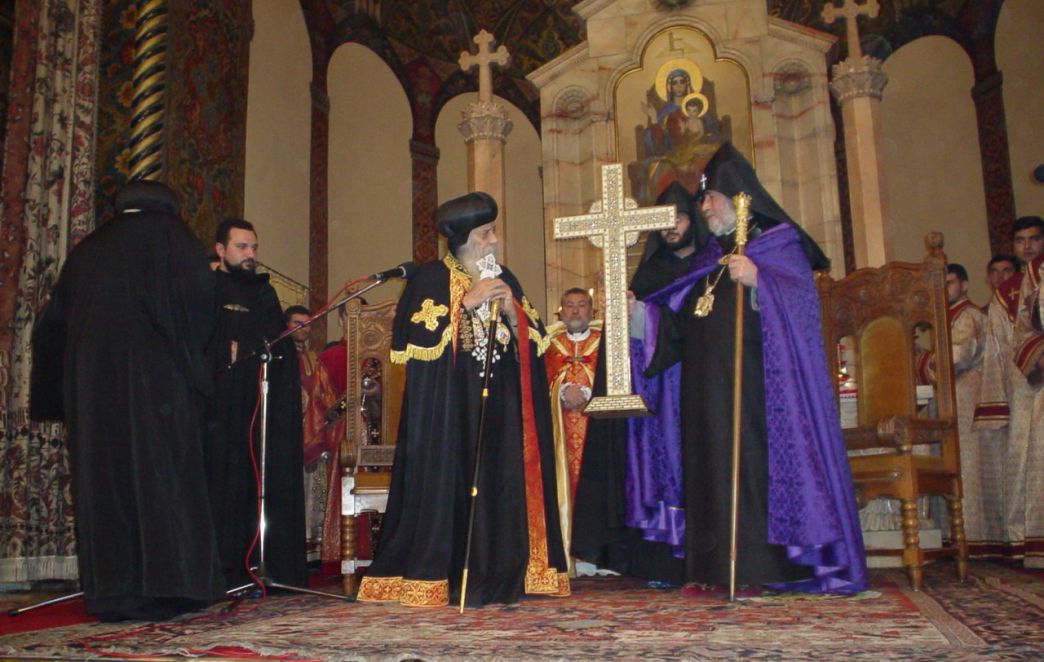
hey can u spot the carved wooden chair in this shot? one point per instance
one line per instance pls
(367, 451)
(878, 310)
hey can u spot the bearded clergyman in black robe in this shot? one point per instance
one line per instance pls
(440, 333)
(248, 313)
(120, 350)
(601, 535)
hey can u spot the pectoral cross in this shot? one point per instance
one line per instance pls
(613, 224)
(483, 59)
(850, 11)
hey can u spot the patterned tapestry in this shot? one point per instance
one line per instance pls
(46, 205)
(115, 100)
(205, 134)
(205, 152)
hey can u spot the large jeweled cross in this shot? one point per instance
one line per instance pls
(850, 11)
(613, 224)
(483, 59)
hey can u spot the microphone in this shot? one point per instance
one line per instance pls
(404, 270)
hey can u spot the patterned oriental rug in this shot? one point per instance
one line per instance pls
(997, 614)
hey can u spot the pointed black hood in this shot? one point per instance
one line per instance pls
(729, 173)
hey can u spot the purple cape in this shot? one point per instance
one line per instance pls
(811, 500)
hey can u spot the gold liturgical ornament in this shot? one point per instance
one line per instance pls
(613, 224)
(704, 305)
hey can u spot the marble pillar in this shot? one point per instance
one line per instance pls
(857, 85)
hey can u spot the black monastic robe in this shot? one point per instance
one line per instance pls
(248, 312)
(123, 337)
(517, 544)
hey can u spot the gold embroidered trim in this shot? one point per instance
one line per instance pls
(424, 353)
(408, 592)
(546, 581)
(429, 314)
(459, 284)
(542, 341)
(425, 593)
(380, 589)
(531, 312)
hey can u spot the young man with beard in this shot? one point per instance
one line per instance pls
(440, 334)
(248, 314)
(1011, 401)
(570, 362)
(668, 253)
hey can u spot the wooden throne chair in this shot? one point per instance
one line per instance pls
(373, 402)
(876, 311)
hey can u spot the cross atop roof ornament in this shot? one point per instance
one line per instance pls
(483, 59)
(851, 10)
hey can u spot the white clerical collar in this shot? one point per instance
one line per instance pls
(578, 337)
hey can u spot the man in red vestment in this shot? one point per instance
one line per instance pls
(324, 422)
(570, 363)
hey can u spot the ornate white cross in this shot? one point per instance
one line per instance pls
(850, 11)
(483, 59)
(612, 225)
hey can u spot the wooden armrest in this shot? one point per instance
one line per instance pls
(901, 433)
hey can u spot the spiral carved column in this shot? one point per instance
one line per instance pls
(150, 69)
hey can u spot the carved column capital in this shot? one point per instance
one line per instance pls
(485, 120)
(858, 77)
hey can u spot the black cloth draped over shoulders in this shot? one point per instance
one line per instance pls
(517, 545)
(118, 353)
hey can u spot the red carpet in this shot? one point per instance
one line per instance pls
(53, 616)
(997, 615)
(73, 612)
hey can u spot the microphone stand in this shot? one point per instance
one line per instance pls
(264, 354)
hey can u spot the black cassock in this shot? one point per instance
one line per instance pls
(600, 535)
(123, 340)
(517, 546)
(248, 312)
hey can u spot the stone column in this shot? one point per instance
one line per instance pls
(857, 85)
(485, 128)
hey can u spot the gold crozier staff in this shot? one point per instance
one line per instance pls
(742, 203)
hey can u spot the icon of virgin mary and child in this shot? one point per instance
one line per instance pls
(681, 134)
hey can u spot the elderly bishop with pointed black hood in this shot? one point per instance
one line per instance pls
(798, 524)
(118, 354)
(439, 333)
